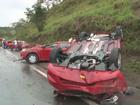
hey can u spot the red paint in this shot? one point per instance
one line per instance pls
(94, 82)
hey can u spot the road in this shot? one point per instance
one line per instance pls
(20, 84)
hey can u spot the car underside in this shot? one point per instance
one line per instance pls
(90, 67)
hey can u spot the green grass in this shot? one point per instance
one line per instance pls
(119, 10)
(74, 16)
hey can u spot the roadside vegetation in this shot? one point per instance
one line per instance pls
(70, 17)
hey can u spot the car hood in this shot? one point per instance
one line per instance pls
(81, 76)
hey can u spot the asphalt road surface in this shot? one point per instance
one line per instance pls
(20, 84)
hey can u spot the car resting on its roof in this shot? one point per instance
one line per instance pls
(89, 68)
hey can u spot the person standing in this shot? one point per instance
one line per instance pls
(4, 44)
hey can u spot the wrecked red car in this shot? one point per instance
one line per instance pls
(41, 52)
(91, 69)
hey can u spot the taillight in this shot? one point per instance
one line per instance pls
(83, 77)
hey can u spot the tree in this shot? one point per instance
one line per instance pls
(37, 15)
(50, 3)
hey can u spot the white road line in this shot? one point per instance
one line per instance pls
(34, 68)
(40, 72)
(45, 75)
(10, 53)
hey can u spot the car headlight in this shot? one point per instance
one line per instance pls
(23, 49)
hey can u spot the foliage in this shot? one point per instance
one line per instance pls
(70, 17)
(37, 15)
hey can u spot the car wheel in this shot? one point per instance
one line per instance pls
(83, 36)
(115, 58)
(55, 56)
(32, 58)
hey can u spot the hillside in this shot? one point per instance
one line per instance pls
(5, 31)
(73, 16)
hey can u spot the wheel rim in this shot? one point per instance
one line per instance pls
(119, 61)
(32, 59)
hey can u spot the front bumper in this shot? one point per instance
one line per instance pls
(23, 55)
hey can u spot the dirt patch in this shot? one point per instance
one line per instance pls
(133, 79)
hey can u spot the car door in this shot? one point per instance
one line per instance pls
(45, 53)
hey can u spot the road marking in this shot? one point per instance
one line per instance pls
(38, 71)
(34, 68)
(89, 102)
(10, 53)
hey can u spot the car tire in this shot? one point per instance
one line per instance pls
(54, 55)
(116, 58)
(32, 58)
(83, 36)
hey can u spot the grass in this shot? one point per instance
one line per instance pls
(88, 9)
(73, 16)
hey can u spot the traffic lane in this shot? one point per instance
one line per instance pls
(132, 99)
(127, 100)
(20, 85)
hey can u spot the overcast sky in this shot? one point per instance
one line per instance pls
(12, 10)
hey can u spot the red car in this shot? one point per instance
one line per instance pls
(1, 39)
(41, 52)
(10, 44)
(19, 46)
(91, 69)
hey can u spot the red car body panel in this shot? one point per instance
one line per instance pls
(43, 53)
(10, 44)
(94, 82)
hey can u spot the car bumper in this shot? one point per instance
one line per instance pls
(23, 55)
(73, 89)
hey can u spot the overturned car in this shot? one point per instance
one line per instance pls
(90, 68)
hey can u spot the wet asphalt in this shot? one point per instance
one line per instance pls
(21, 85)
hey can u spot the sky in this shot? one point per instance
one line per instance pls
(13, 10)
